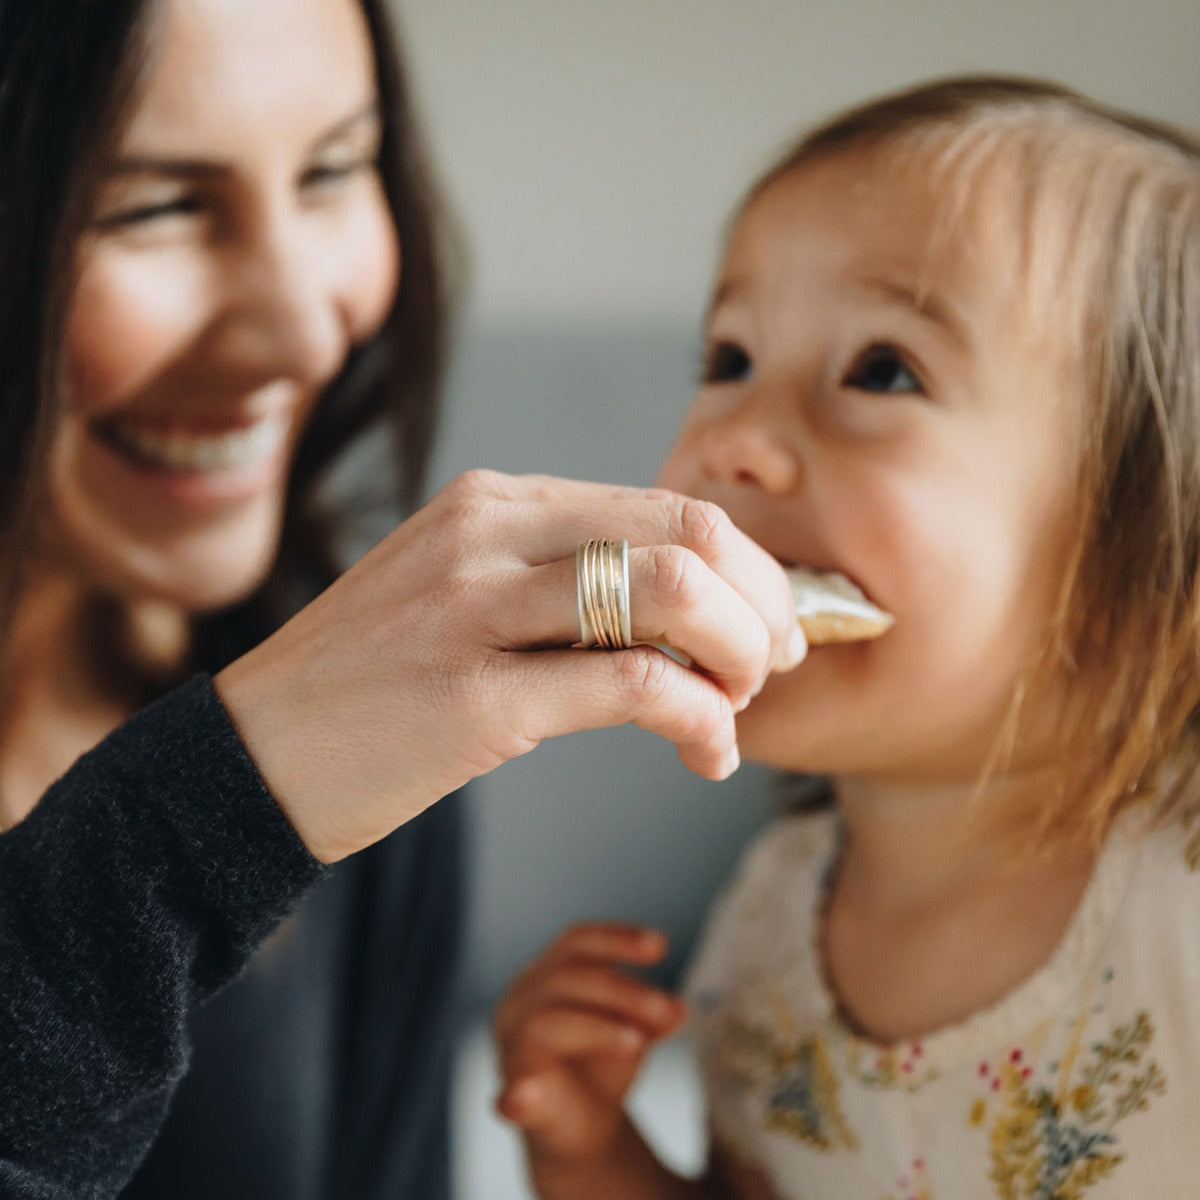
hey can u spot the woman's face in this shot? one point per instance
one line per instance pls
(240, 246)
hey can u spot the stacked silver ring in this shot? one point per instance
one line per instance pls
(602, 583)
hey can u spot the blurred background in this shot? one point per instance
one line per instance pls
(593, 153)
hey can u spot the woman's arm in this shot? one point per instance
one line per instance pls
(138, 886)
(143, 880)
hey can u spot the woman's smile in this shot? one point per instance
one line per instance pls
(198, 465)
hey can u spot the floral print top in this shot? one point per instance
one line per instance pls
(1081, 1084)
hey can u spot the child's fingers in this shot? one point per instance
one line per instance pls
(602, 1054)
(610, 941)
(599, 988)
(578, 946)
(550, 1034)
(630, 945)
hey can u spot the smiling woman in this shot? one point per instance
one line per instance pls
(241, 246)
(233, 309)
(220, 264)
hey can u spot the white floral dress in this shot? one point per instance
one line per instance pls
(1082, 1084)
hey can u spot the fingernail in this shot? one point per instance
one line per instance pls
(733, 760)
(797, 649)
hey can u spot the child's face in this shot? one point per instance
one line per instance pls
(875, 407)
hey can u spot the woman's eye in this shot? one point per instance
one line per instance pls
(146, 214)
(882, 370)
(330, 174)
(726, 362)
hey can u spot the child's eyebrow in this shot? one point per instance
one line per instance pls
(728, 289)
(925, 302)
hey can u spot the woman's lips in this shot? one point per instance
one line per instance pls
(180, 449)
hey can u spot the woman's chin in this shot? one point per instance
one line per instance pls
(203, 576)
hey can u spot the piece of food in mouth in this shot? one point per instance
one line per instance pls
(831, 609)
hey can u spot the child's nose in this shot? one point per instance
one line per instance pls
(747, 449)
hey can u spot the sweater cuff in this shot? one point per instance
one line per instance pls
(243, 864)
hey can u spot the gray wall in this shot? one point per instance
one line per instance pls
(593, 151)
(595, 146)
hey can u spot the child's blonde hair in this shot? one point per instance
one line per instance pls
(1107, 212)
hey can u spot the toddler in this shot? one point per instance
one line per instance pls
(953, 353)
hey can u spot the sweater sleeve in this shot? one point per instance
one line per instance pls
(139, 884)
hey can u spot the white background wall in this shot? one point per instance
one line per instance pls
(594, 147)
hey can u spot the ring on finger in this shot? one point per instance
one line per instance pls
(602, 589)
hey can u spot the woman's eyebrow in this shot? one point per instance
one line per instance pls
(369, 112)
(164, 165)
(169, 166)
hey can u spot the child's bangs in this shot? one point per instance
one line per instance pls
(1048, 193)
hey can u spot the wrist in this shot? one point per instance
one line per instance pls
(274, 739)
(607, 1170)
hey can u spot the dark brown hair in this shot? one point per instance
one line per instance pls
(69, 71)
(1107, 215)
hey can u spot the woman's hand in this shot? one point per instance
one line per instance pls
(446, 651)
(572, 1032)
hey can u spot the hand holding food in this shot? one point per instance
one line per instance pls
(464, 620)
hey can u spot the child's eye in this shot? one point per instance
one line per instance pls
(882, 370)
(726, 362)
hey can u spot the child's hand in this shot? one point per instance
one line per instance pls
(572, 1032)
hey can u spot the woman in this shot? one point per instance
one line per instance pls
(219, 266)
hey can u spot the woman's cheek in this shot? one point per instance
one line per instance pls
(126, 324)
(371, 253)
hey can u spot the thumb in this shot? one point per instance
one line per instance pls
(560, 1115)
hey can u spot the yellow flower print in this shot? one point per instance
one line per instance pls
(1055, 1144)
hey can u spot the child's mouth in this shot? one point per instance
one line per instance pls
(832, 609)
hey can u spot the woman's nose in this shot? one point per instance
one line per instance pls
(752, 446)
(285, 315)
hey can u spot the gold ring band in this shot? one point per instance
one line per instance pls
(602, 588)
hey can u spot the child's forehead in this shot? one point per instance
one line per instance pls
(980, 217)
(864, 216)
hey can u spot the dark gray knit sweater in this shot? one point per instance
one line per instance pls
(131, 896)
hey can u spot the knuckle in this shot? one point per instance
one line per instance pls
(644, 672)
(465, 514)
(675, 576)
(478, 481)
(703, 526)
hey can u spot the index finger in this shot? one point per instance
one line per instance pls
(611, 941)
(573, 511)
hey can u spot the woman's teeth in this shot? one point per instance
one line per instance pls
(180, 450)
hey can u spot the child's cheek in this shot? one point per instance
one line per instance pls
(680, 470)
